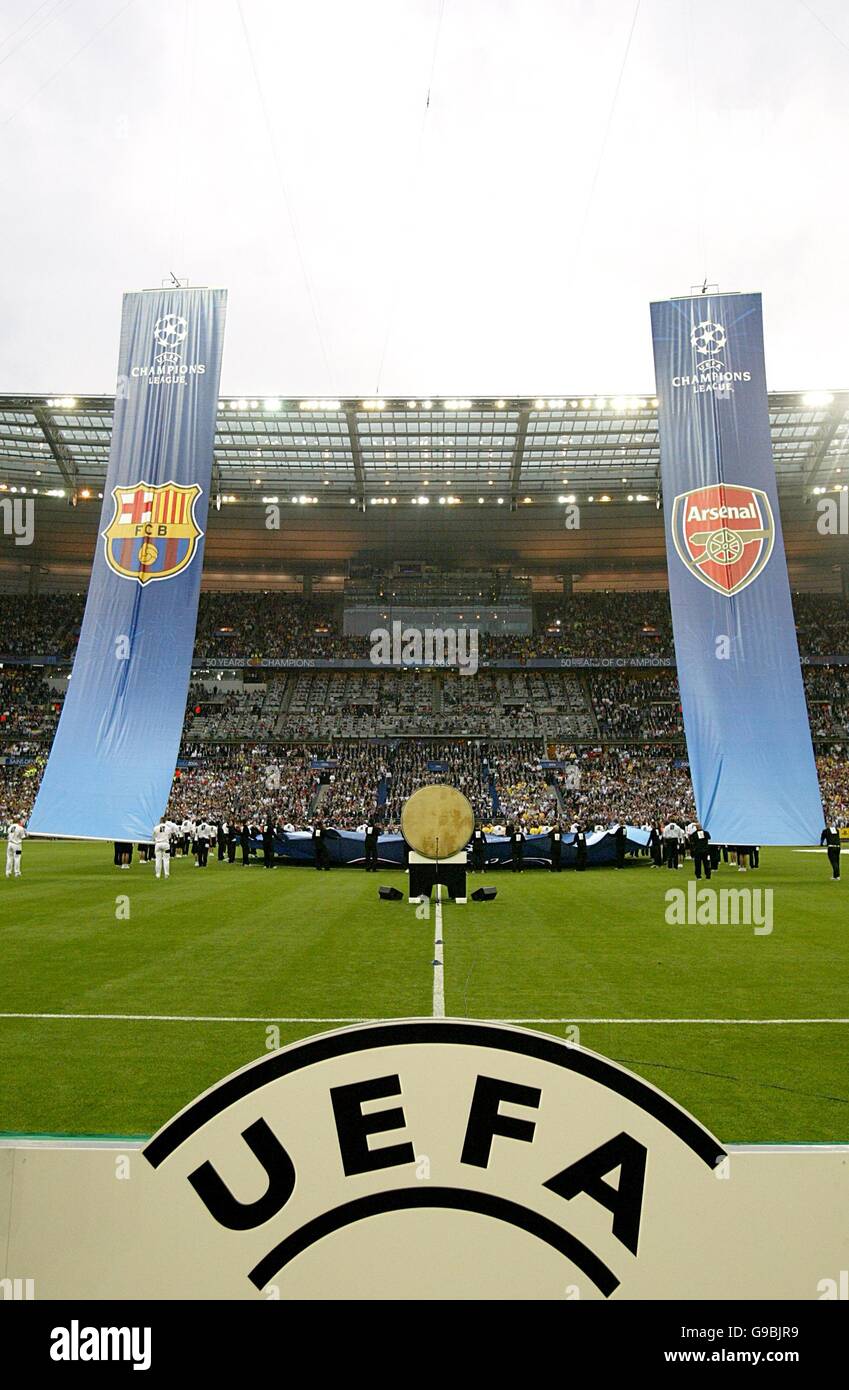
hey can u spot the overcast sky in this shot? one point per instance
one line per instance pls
(506, 239)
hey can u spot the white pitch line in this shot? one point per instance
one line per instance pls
(438, 959)
(734, 1022)
(438, 1001)
(188, 1018)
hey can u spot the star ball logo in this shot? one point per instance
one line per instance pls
(724, 534)
(168, 367)
(707, 337)
(434, 1159)
(170, 330)
(710, 372)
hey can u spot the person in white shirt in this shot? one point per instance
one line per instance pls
(203, 834)
(672, 835)
(162, 848)
(188, 832)
(15, 836)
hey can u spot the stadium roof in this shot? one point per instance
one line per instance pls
(350, 478)
(337, 450)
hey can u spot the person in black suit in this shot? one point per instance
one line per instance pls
(655, 847)
(322, 858)
(371, 847)
(232, 842)
(221, 838)
(517, 848)
(478, 843)
(830, 837)
(699, 842)
(245, 841)
(580, 848)
(556, 838)
(268, 844)
(619, 842)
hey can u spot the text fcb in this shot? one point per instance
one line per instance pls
(153, 533)
(724, 534)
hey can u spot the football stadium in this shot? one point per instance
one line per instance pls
(333, 521)
(424, 665)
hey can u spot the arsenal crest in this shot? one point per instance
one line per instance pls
(153, 533)
(724, 534)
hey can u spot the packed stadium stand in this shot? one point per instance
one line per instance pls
(609, 730)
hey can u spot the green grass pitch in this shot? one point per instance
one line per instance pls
(230, 943)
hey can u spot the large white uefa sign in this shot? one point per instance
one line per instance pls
(442, 1159)
(402, 1159)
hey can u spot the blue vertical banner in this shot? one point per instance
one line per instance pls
(112, 761)
(742, 694)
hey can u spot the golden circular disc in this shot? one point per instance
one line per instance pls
(437, 821)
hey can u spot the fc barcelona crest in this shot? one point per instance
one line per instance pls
(153, 533)
(724, 534)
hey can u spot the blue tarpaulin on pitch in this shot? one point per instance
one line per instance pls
(346, 848)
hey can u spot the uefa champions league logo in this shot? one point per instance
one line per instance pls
(708, 339)
(168, 367)
(170, 330)
(710, 371)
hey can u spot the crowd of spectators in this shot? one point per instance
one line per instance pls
(822, 624)
(833, 773)
(29, 706)
(646, 786)
(636, 706)
(239, 783)
(524, 792)
(643, 785)
(827, 691)
(250, 741)
(455, 764)
(600, 624)
(45, 625)
(251, 625)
